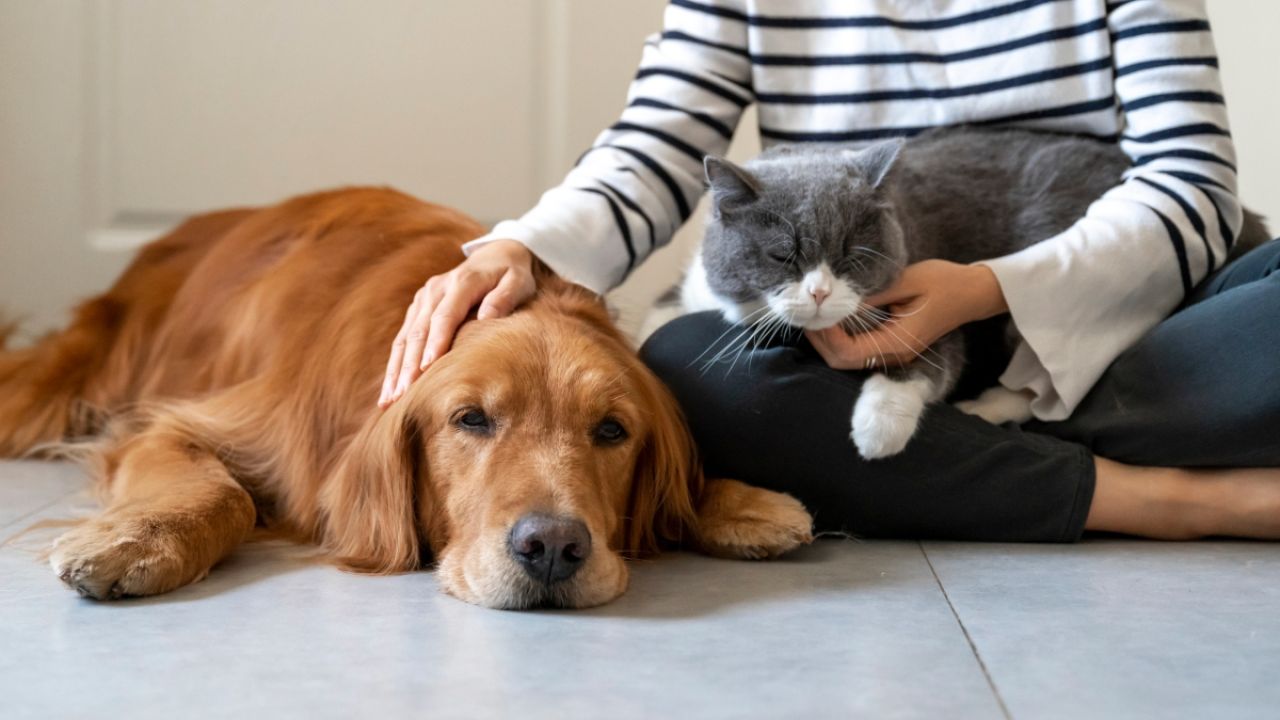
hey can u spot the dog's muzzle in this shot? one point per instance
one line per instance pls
(549, 548)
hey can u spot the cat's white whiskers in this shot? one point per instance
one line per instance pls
(750, 317)
(852, 262)
(884, 319)
(873, 251)
(755, 340)
(919, 355)
(757, 330)
(868, 330)
(884, 362)
(720, 356)
(889, 328)
(728, 347)
(716, 358)
(746, 335)
(780, 327)
(742, 348)
(875, 312)
(885, 314)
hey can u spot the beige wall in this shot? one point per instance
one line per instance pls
(45, 263)
(1245, 33)
(80, 170)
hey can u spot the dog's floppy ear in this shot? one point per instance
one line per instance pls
(369, 503)
(668, 476)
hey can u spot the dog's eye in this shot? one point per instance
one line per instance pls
(474, 420)
(610, 431)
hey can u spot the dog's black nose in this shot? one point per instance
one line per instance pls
(550, 548)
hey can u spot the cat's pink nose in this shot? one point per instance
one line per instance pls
(819, 295)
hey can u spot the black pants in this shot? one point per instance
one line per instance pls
(1201, 389)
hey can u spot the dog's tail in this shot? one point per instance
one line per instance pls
(42, 386)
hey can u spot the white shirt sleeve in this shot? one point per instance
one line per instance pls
(1083, 297)
(643, 176)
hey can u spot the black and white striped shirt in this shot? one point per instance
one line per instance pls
(1143, 72)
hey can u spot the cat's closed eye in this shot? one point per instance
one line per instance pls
(782, 251)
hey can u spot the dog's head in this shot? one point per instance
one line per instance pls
(527, 462)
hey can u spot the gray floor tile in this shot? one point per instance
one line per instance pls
(1122, 628)
(841, 630)
(28, 486)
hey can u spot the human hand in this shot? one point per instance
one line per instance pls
(497, 276)
(932, 298)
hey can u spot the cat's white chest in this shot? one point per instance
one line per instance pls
(695, 292)
(696, 295)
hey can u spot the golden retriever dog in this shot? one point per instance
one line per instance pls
(229, 381)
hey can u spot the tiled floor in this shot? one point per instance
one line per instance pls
(1108, 628)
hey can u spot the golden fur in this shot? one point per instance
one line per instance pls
(229, 380)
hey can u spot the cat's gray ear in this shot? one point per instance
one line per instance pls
(876, 161)
(731, 186)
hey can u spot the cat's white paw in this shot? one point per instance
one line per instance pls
(886, 415)
(998, 405)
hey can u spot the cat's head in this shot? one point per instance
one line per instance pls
(802, 234)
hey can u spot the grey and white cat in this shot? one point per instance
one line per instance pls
(801, 234)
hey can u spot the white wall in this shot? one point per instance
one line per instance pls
(1245, 33)
(117, 116)
(45, 262)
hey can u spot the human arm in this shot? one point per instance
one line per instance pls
(627, 195)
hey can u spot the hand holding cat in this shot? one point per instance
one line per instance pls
(930, 299)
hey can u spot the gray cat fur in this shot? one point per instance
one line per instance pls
(960, 194)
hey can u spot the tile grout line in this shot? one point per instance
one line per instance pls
(991, 683)
(38, 510)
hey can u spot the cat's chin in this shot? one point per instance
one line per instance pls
(809, 320)
(794, 303)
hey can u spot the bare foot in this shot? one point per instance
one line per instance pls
(1240, 502)
(1185, 504)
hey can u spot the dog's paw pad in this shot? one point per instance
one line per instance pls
(772, 525)
(100, 561)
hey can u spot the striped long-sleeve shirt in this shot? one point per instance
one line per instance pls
(1143, 72)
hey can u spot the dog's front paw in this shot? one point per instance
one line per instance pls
(998, 405)
(107, 558)
(736, 520)
(885, 416)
